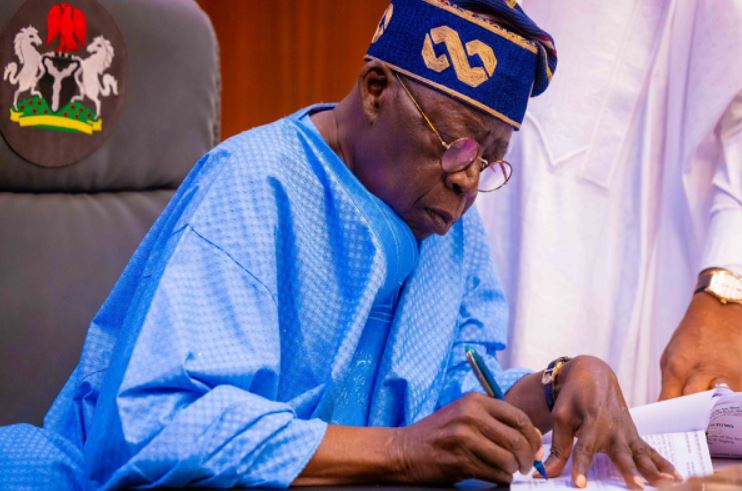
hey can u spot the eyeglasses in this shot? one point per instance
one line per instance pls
(459, 154)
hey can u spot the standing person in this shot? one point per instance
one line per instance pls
(629, 197)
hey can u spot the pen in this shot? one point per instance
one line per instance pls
(490, 386)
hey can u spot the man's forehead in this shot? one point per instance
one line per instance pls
(462, 120)
(456, 115)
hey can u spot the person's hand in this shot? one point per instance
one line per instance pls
(474, 437)
(724, 480)
(590, 406)
(705, 349)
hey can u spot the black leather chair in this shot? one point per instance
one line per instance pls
(66, 233)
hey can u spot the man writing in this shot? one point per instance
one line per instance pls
(299, 312)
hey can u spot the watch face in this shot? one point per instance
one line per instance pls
(726, 286)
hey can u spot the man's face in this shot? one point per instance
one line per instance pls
(402, 155)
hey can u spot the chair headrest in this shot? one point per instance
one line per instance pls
(170, 90)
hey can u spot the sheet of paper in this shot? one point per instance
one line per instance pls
(687, 451)
(689, 413)
(725, 427)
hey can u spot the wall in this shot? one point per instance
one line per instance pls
(280, 55)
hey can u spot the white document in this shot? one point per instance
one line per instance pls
(686, 430)
(682, 414)
(688, 413)
(725, 426)
(718, 412)
(687, 451)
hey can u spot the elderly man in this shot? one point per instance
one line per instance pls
(299, 312)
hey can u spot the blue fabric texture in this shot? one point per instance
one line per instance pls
(513, 13)
(273, 296)
(465, 55)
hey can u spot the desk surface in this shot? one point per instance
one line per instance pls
(358, 488)
(371, 488)
(718, 464)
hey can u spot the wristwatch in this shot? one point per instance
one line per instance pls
(549, 377)
(722, 284)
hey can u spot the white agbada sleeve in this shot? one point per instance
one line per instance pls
(723, 247)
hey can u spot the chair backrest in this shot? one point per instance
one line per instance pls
(66, 232)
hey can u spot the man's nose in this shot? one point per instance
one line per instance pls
(465, 181)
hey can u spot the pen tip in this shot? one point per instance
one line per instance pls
(540, 468)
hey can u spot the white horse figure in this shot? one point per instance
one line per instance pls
(30, 59)
(88, 77)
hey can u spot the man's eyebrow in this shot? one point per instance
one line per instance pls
(463, 127)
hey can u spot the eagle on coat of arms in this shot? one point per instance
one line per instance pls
(62, 87)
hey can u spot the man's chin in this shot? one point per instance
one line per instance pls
(420, 233)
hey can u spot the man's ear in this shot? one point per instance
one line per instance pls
(376, 79)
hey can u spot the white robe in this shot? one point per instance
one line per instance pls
(627, 182)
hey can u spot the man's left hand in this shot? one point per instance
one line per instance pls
(590, 406)
(705, 349)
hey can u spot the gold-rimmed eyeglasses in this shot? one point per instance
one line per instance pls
(462, 152)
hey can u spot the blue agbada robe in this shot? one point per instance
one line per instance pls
(273, 296)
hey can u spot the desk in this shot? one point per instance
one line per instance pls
(361, 488)
(356, 488)
(717, 463)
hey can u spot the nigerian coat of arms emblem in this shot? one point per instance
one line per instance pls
(63, 80)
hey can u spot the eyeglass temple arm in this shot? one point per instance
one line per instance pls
(420, 110)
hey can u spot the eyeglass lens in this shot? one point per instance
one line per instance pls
(494, 176)
(462, 152)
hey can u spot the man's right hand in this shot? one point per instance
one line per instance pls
(474, 437)
(704, 350)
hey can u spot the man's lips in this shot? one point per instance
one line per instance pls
(440, 220)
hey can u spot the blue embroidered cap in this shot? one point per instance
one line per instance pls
(446, 46)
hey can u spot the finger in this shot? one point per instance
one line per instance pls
(493, 474)
(647, 460)
(720, 382)
(582, 457)
(672, 386)
(693, 484)
(698, 382)
(674, 374)
(515, 418)
(540, 451)
(622, 458)
(562, 439)
(731, 474)
(664, 465)
(511, 440)
(488, 455)
(707, 483)
(496, 476)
